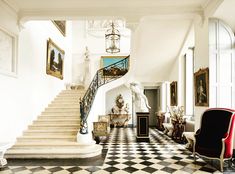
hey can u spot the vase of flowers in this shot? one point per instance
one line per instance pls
(177, 114)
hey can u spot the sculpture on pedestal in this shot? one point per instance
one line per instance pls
(141, 100)
(87, 68)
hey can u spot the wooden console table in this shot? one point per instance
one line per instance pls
(120, 120)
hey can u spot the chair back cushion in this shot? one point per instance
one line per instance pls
(215, 125)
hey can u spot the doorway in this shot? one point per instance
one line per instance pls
(153, 96)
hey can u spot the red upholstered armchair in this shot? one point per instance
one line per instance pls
(214, 139)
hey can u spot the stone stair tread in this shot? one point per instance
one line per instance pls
(64, 105)
(49, 127)
(55, 124)
(68, 152)
(50, 143)
(60, 113)
(49, 150)
(62, 108)
(61, 130)
(57, 110)
(46, 139)
(69, 90)
(47, 136)
(57, 119)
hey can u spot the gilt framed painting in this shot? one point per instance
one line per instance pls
(61, 26)
(55, 60)
(173, 92)
(114, 66)
(201, 87)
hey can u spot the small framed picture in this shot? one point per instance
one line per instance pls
(118, 69)
(201, 86)
(61, 26)
(55, 60)
(173, 91)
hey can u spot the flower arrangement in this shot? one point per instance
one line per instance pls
(177, 114)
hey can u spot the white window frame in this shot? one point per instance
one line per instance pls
(13, 58)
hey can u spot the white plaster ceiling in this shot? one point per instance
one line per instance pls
(226, 12)
(159, 45)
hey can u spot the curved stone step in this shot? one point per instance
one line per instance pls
(68, 152)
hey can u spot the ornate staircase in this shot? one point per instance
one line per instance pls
(53, 134)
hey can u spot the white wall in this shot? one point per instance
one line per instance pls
(156, 46)
(201, 59)
(24, 97)
(112, 95)
(98, 107)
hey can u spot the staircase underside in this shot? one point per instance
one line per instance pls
(53, 134)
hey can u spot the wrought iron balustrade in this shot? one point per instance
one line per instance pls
(102, 76)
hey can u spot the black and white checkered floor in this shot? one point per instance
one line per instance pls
(122, 154)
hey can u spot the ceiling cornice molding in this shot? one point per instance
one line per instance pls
(210, 7)
(11, 5)
(131, 14)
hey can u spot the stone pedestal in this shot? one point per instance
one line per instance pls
(89, 148)
(142, 127)
(85, 139)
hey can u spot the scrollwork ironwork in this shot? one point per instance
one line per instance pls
(102, 76)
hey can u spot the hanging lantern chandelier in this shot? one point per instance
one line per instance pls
(112, 40)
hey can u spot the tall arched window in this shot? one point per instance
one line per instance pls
(222, 65)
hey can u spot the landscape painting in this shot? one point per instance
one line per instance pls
(55, 60)
(113, 67)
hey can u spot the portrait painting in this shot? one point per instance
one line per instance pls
(173, 92)
(118, 69)
(55, 60)
(201, 87)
